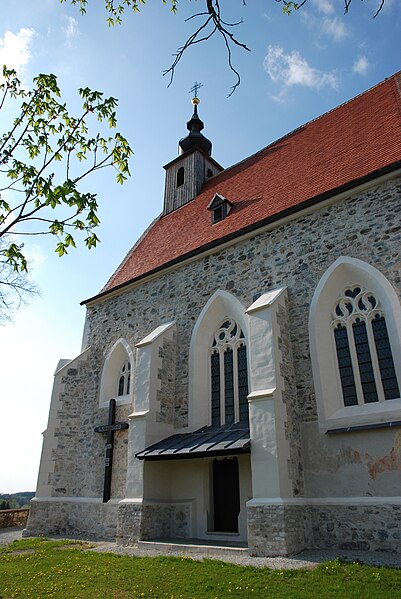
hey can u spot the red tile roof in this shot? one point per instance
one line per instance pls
(333, 152)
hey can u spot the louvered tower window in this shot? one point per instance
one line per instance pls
(364, 356)
(229, 374)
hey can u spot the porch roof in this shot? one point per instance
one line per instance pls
(208, 441)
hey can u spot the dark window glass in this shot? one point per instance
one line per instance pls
(215, 377)
(218, 213)
(345, 366)
(352, 292)
(364, 362)
(128, 383)
(121, 386)
(243, 384)
(180, 176)
(229, 386)
(385, 358)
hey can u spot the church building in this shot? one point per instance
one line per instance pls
(240, 374)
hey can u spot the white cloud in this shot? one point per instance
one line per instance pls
(335, 28)
(35, 257)
(324, 6)
(361, 65)
(292, 69)
(71, 30)
(15, 49)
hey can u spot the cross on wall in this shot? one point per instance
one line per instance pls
(110, 428)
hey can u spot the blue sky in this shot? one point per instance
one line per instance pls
(299, 67)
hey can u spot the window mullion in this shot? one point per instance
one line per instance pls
(375, 361)
(355, 365)
(236, 384)
(222, 387)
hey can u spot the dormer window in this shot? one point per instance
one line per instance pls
(219, 207)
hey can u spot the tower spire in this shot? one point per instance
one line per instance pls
(195, 139)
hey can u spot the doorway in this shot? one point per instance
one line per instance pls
(226, 495)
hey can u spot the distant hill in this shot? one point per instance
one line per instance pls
(15, 500)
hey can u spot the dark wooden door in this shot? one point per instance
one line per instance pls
(226, 498)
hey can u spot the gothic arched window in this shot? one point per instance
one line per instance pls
(364, 357)
(116, 374)
(228, 374)
(355, 346)
(124, 381)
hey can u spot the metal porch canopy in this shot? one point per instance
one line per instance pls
(208, 441)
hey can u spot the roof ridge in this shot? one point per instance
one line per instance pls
(395, 76)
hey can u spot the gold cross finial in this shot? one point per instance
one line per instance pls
(194, 90)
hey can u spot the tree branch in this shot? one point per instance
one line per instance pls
(212, 16)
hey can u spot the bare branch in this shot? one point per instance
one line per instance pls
(211, 17)
(379, 9)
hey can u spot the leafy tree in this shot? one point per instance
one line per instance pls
(44, 156)
(211, 21)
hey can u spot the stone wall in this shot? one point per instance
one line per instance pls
(286, 529)
(78, 453)
(166, 520)
(295, 255)
(375, 527)
(277, 529)
(17, 517)
(166, 376)
(85, 519)
(292, 425)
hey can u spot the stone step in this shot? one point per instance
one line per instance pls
(189, 546)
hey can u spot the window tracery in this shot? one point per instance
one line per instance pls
(229, 374)
(364, 356)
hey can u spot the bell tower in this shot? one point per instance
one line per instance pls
(186, 174)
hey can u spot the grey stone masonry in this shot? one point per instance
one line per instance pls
(166, 376)
(90, 519)
(360, 527)
(277, 529)
(129, 523)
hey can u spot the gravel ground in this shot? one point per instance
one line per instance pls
(305, 559)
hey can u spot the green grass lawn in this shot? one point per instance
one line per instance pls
(38, 568)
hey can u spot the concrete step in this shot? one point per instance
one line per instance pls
(188, 546)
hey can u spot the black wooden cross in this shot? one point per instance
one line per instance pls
(195, 88)
(110, 429)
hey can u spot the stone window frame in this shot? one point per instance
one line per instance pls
(344, 273)
(119, 354)
(221, 306)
